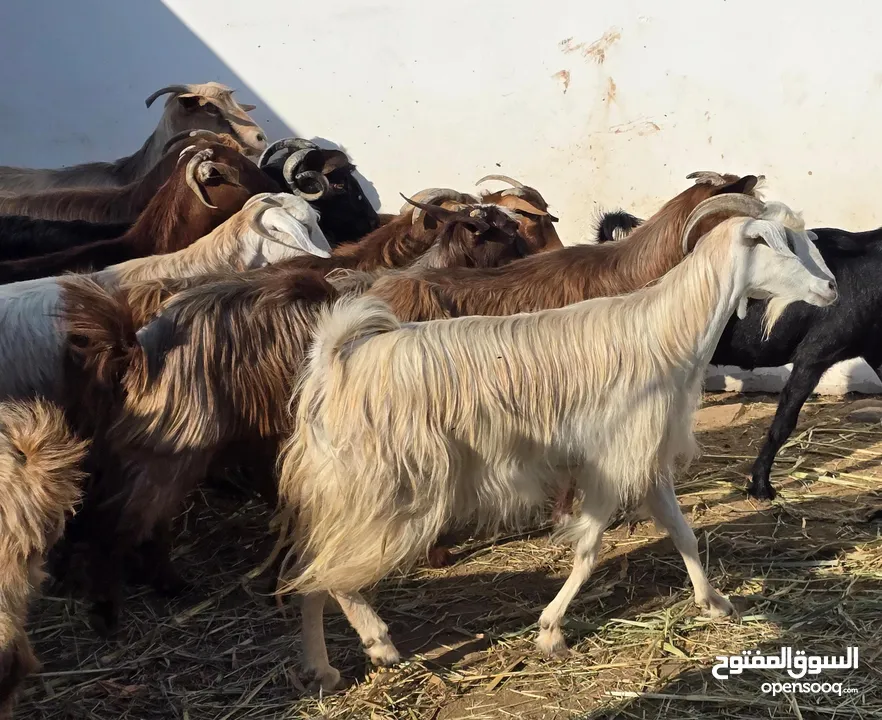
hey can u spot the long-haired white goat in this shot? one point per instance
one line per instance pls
(404, 428)
(269, 228)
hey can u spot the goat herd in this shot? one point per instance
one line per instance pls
(378, 379)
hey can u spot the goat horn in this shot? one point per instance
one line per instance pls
(260, 197)
(427, 203)
(176, 89)
(503, 178)
(735, 203)
(706, 177)
(285, 144)
(253, 221)
(197, 159)
(293, 163)
(431, 196)
(188, 134)
(314, 176)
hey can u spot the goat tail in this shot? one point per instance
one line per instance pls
(350, 320)
(348, 529)
(100, 326)
(615, 225)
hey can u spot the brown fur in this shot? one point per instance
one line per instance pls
(536, 227)
(122, 204)
(173, 219)
(557, 278)
(561, 277)
(210, 375)
(40, 483)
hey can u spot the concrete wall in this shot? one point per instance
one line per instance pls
(598, 104)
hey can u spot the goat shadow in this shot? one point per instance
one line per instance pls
(79, 74)
(370, 190)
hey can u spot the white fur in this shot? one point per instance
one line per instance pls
(404, 429)
(31, 340)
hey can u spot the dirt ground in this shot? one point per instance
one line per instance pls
(804, 571)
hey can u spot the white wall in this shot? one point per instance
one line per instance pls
(598, 104)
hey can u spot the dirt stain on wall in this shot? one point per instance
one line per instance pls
(564, 77)
(595, 51)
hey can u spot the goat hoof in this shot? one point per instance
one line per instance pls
(761, 490)
(551, 642)
(104, 619)
(716, 605)
(440, 556)
(323, 680)
(383, 653)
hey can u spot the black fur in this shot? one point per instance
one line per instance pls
(812, 338)
(619, 220)
(25, 237)
(346, 213)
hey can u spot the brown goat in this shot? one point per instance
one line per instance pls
(210, 183)
(211, 375)
(208, 106)
(557, 278)
(40, 482)
(122, 204)
(533, 216)
(561, 277)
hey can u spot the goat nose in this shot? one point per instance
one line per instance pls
(831, 286)
(260, 137)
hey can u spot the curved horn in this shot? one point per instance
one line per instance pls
(197, 159)
(295, 159)
(735, 203)
(503, 178)
(707, 177)
(188, 134)
(260, 197)
(177, 89)
(286, 144)
(314, 176)
(431, 196)
(427, 205)
(253, 221)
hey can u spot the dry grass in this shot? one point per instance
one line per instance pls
(805, 571)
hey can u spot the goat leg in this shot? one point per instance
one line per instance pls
(156, 558)
(107, 580)
(665, 509)
(589, 529)
(800, 384)
(374, 633)
(314, 651)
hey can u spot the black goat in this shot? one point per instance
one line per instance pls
(813, 339)
(25, 237)
(325, 179)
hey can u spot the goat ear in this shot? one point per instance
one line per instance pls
(743, 185)
(771, 233)
(521, 205)
(246, 107)
(334, 160)
(221, 172)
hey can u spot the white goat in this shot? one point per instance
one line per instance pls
(206, 106)
(404, 428)
(269, 228)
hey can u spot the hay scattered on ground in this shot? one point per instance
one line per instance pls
(805, 571)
